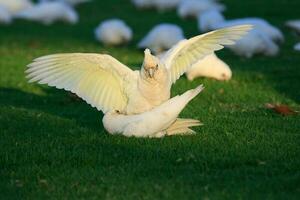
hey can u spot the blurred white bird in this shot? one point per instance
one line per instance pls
(15, 6)
(260, 40)
(192, 8)
(157, 122)
(5, 16)
(162, 37)
(297, 47)
(70, 2)
(49, 12)
(160, 5)
(210, 66)
(213, 19)
(294, 24)
(108, 85)
(113, 32)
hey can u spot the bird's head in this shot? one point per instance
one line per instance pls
(150, 64)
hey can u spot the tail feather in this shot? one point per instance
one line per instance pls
(182, 126)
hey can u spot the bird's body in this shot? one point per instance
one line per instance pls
(260, 40)
(294, 24)
(210, 66)
(15, 6)
(110, 86)
(157, 122)
(162, 37)
(49, 12)
(192, 8)
(113, 32)
(5, 16)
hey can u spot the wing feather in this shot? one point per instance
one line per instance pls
(187, 52)
(97, 78)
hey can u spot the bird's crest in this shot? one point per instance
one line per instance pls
(149, 60)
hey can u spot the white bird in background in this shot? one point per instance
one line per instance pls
(160, 5)
(70, 2)
(110, 86)
(213, 19)
(5, 16)
(257, 41)
(297, 47)
(15, 6)
(49, 12)
(210, 66)
(113, 32)
(192, 8)
(294, 24)
(162, 37)
(158, 122)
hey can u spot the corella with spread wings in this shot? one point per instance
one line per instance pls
(110, 86)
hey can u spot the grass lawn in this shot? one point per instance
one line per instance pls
(53, 147)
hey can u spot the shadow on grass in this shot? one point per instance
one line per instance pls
(57, 103)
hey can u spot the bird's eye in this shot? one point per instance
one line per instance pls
(156, 67)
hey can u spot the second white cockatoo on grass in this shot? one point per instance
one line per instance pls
(49, 12)
(294, 24)
(113, 32)
(161, 38)
(110, 86)
(157, 122)
(210, 66)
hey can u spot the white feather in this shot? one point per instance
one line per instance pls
(5, 16)
(15, 6)
(297, 47)
(294, 24)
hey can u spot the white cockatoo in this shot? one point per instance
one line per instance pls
(257, 41)
(15, 6)
(49, 12)
(5, 16)
(110, 86)
(294, 24)
(192, 8)
(210, 66)
(157, 122)
(162, 37)
(213, 19)
(70, 2)
(113, 32)
(297, 47)
(160, 5)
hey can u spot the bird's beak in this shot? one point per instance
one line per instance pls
(151, 72)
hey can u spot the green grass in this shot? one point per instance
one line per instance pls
(53, 147)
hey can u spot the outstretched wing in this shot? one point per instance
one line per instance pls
(187, 52)
(98, 79)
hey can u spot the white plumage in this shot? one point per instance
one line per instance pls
(15, 6)
(260, 40)
(157, 122)
(49, 12)
(110, 86)
(210, 66)
(192, 8)
(113, 32)
(294, 24)
(5, 16)
(162, 37)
